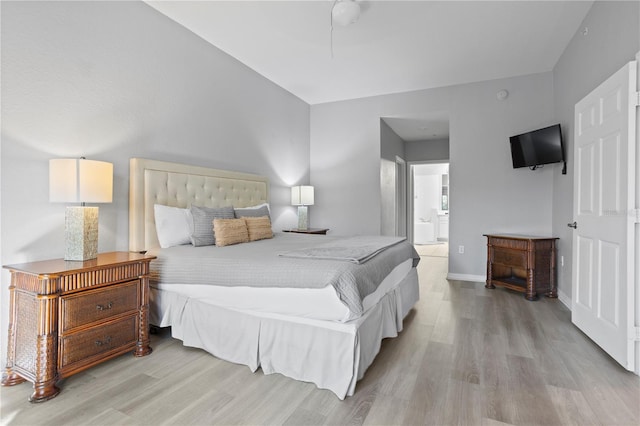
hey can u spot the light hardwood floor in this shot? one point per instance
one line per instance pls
(440, 249)
(467, 356)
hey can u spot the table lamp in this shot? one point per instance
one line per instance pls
(302, 196)
(80, 181)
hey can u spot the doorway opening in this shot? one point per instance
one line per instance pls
(429, 209)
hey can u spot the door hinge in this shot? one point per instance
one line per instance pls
(636, 215)
(636, 337)
(637, 99)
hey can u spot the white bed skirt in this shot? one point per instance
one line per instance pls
(331, 355)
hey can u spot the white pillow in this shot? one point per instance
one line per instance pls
(259, 206)
(256, 207)
(173, 225)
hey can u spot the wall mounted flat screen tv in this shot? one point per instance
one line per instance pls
(538, 147)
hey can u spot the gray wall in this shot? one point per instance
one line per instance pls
(391, 145)
(612, 40)
(430, 150)
(114, 80)
(487, 194)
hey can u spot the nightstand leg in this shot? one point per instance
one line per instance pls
(11, 379)
(44, 391)
(489, 283)
(142, 347)
(530, 293)
(553, 290)
(44, 387)
(42, 361)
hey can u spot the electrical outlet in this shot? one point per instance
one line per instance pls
(461, 249)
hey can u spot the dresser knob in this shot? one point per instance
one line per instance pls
(104, 308)
(106, 341)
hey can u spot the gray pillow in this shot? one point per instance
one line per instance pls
(203, 223)
(252, 212)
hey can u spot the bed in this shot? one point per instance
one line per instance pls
(242, 303)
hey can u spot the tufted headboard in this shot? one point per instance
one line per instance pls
(179, 185)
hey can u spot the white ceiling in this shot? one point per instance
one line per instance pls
(395, 46)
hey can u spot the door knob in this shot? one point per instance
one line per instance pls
(573, 225)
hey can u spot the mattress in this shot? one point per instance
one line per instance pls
(322, 303)
(304, 288)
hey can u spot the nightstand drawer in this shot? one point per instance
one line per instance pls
(514, 258)
(97, 305)
(76, 347)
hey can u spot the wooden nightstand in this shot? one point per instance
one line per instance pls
(67, 316)
(322, 231)
(522, 263)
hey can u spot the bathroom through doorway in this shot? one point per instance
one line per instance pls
(430, 208)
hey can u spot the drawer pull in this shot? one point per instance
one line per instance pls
(104, 308)
(106, 341)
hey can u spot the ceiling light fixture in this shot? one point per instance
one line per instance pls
(502, 94)
(343, 12)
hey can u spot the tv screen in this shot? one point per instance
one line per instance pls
(542, 146)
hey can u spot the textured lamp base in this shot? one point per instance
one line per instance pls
(81, 233)
(302, 217)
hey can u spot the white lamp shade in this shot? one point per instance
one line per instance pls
(345, 12)
(302, 195)
(80, 181)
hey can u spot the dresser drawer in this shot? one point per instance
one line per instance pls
(513, 258)
(97, 305)
(80, 346)
(509, 243)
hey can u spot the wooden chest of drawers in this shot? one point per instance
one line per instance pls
(522, 263)
(67, 316)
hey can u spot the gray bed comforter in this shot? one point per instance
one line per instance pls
(260, 264)
(354, 249)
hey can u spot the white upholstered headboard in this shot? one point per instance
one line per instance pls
(179, 185)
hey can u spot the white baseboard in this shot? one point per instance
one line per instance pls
(566, 300)
(467, 277)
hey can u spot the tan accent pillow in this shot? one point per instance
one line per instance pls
(230, 231)
(259, 228)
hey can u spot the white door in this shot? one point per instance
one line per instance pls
(603, 288)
